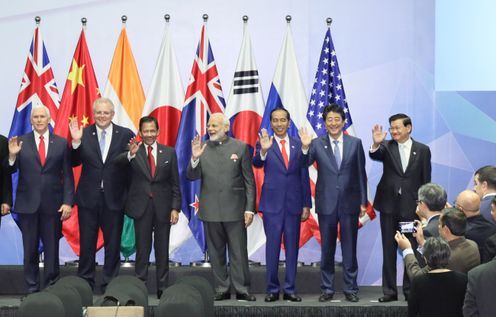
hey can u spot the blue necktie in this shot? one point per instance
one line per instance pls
(337, 155)
(102, 142)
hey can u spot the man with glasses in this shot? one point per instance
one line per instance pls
(406, 167)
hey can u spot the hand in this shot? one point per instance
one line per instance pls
(403, 242)
(174, 217)
(248, 219)
(76, 131)
(305, 138)
(66, 211)
(265, 141)
(14, 147)
(5, 209)
(378, 135)
(133, 146)
(363, 210)
(197, 148)
(305, 214)
(419, 235)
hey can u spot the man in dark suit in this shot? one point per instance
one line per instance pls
(44, 195)
(102, 188)
(485, 187)
(479, 229)
(406, 167)
(488, 251)
(479, 298)
(431, 201)
(227, 204)
(5, 179)
(285, 201)
(154, 199)
(340, 197)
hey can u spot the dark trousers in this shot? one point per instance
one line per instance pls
(276, 227)
(328, 225)
(389, 226)
(233, 236)
(144, 227)
(110, 221)
(48, 228)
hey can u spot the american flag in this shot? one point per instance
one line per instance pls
(203, 97)
(328, 88)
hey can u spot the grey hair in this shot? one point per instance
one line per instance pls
(225, 119)
(41, 106)
(433, 195)
(436, 252)
(103, 100)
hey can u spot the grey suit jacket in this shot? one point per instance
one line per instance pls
(227, 181)
(163, 188)
(479, 298)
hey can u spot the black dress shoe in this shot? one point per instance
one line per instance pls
(222, 296)
(246, 297)
(271, 297)
(351, 297)
(291, 297)
(388, 298)
(325, 297)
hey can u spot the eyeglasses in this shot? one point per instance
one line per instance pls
(418, 201)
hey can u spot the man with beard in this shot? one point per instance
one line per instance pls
(227, 204)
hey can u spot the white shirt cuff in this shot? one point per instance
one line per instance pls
(75, 145)
(407, 252)
(194, 163)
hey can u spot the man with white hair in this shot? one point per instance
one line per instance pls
(44, 195)
(227, 204)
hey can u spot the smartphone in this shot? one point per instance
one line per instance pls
(407, 227)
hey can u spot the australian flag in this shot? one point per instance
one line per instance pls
(38, 87)
(203, 97)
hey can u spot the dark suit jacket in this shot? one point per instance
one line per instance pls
(5, 177)
(227, 181)
(431, 229)
(163, 188)
(479, 298)
(114, 172)
(47, 187)
(344, 188)
(489, 250)
(393, 178)
(479, 230)
(284, 190)
(485, 208)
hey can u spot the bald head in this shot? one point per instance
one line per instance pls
(469, 202)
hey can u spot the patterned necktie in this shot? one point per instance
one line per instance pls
(337, 155)
(102, 142)
(151, 160)
(285, 157)
(41, 150)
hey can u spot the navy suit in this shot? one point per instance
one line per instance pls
(485, 208)
(101, 196)
(41, 191)
(339, 193)
(285, 192)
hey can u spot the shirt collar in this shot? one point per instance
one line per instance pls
(340, 139)
(45, 135)
(108, 129)
(407, 143)
(278, 139)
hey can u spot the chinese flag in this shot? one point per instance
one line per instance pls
(81, 90)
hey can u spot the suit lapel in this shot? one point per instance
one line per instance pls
(113, 140)
(160, 159)
(395, 153)
(51, 142)
(293, 149)
(328, 150)
(413, 155)
(94, 139)
(277, 151)
(346, 149)
(31, 144)
(142, 160)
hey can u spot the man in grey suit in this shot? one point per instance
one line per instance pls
(154, 199)
(227, 204)
(431, 201)
(479, 298)
(485, 187)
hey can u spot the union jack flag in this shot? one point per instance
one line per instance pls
(37, 87)
(328, 88)
(203, 97)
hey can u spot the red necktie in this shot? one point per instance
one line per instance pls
(41, 150)
(151, 160)
(284, 153)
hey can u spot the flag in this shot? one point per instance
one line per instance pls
(164, 101)
(328, 88)
(203, 97)
(126, 92)
(287, 92)
(38, 87)
(245, 109)
(80, 91)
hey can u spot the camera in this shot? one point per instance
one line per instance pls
(407, 227)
